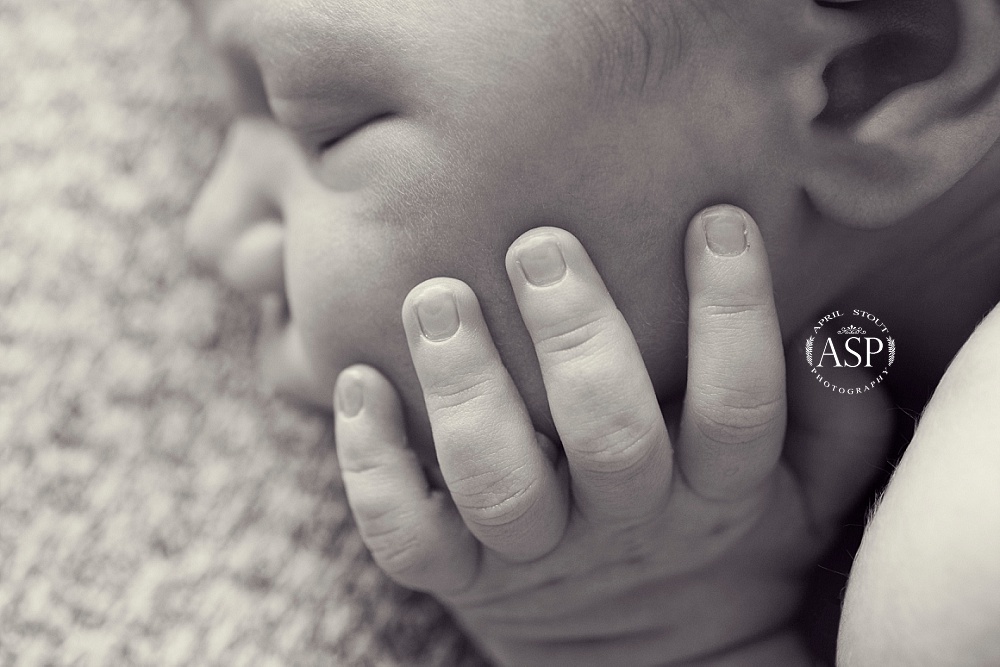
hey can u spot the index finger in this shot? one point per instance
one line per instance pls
(600, 395)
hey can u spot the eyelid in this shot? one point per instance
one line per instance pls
(334, 138)
(319, 122)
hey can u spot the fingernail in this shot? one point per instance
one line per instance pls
(541, 261)
(725, 231)
(350, 395)
(437, 312)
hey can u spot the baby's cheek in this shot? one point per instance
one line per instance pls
(339, 285)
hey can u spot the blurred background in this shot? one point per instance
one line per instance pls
(156, 508)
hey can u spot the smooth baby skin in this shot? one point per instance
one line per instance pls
(437, 132)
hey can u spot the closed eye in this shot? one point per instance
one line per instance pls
(319, 121)
(337, 137)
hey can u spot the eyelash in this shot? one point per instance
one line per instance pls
(328, 144)
(324, 146)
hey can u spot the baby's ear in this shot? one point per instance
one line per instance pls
(913, 104)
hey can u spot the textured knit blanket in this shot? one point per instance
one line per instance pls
(156, 508)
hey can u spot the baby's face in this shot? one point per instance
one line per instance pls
(442, 130)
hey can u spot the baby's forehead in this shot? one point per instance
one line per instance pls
(632, 43)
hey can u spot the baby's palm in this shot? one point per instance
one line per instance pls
(703, 575)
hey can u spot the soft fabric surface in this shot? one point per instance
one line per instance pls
(155, 507)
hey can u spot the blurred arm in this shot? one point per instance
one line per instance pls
(925, 588)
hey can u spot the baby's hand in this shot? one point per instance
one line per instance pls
(624, 545)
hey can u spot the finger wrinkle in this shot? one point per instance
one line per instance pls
(511, 509)
(460, 393)
(730, 310)
(360, 460)
(486, 482)
(735, 425)
(626, 447)
(570, 338)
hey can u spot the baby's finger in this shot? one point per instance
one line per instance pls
(501, 479)
(413, 533)
(733, 422)
(601, 397)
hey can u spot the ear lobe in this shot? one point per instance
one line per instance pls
(910, 111)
